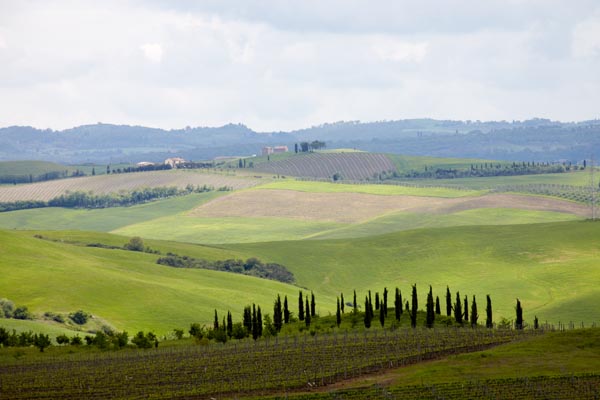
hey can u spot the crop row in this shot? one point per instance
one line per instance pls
(104, 184)
(350, 166)
(539, 387)
(579, 194)
(279, 364)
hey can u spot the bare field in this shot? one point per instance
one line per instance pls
(114, 183)
(360, 207)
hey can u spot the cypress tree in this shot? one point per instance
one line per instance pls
(536, 323)
(474, 315)
(382, 315)
(277, 314)
(438, 310)
(301, 307)
(430, 309)
(229, 324)
(519, 320)
(216, 322)
(398, 304)
(338, 314)
(259, 321)
(466, 309)
(448, 302)
(307, 316)
(407, 307)
(313, 306)
(286, 311)
(458, 315)
(254, 323)
(367, 313)
(488, 313)
(247, 321)
(370, 304)
(385, 303)
(377, 300)
(355, 306)
(342, 302)
(415, 306)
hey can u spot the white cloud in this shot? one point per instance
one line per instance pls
(586, 37)
(153, 52)
(399, 51)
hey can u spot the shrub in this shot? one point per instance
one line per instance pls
(79, 317)
(62, 339)
(135, 244)
(178, 333)
(145, 341)
(22, 313)
(7, 308)
(76, 341)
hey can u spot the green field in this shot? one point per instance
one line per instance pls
(126, 289)
(579, 178)
(22, 168)
(106, 219)
(407, 163)
(387, 190)
(405, 221)
(548, 266)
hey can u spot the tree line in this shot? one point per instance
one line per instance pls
(80, 199)
(251, 267)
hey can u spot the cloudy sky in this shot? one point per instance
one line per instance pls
(279, 65)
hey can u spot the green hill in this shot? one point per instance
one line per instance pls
(550, 267)
(127, 290)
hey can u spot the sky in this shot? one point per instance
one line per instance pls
(282, 65)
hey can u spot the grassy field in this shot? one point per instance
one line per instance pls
(46, 327)
(550, 267)
(35, 168)
(387, 190)
(404, 221)
(579, 178)
(407, 163)
(126, 289)
(106, 219)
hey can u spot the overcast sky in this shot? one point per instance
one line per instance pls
(279, 65)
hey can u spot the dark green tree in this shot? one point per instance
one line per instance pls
(354, 304)
(448, 302)
(381, 315)
(313, 306)
(458, 315)
(367, 313)
(385, 303)
(301, 307)
(229, 324)
(277, 314)
(377, 300)
(286, 311)
(414, 308)
(342, 302)
(247, 320)
(259, 321)
(536, 323)
(371, 306)
(216, 321)
(338, 314)
(438, 310)
(398, 304)
(430, 309)
(466, 318)
(519, 320)
(254, 323)
(474, 315)
(41, 341)
(307, 316)
(488, 313)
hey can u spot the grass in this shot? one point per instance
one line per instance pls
(550, 267)
(45, 327)
(226, 230)
(386, 190)
(104, 220)
(579, 178)
(407, 163)
(405, 221)
(126, 289)
(35, 168)
(555, 353)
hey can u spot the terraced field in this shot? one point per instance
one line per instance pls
(114, 183)
(352, 166)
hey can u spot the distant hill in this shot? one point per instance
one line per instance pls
(536, 140)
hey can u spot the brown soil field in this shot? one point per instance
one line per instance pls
(359, 207)
(103, 184)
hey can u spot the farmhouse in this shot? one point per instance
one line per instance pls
(274, 150)
(174, 162)
(144, 164)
